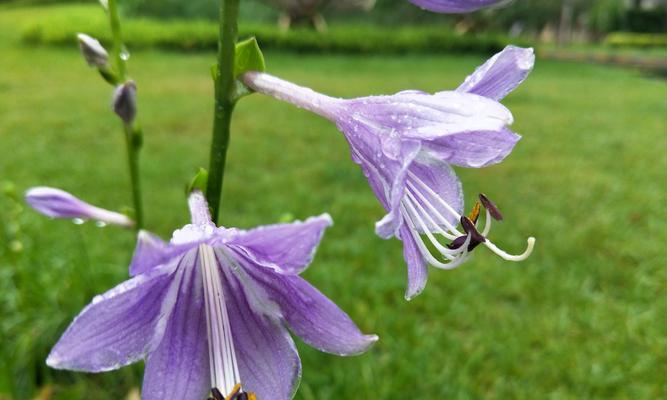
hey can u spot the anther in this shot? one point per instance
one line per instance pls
(469, 228)
(460, 241)
(474, 213)
(217, 395)
(492, 208)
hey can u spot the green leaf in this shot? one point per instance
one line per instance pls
(248, 57)
(198, 182)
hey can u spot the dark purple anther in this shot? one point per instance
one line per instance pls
(493, 209)
(460, 241)
(470, 229)
(217, 395)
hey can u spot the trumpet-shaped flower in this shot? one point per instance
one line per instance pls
(209, 313)
(56, 203)
(454, 6)
(404, 144)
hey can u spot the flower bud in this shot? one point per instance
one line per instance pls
(57, 203)
(125, 101)
(92, 51)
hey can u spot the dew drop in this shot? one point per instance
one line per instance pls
(124, 54)
(100, 224)
(78, 221)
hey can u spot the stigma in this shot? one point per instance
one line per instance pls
(441, 243)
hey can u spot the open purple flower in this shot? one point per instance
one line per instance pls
(404, 144)
(210, 309)
(56, 203)
(454, 6)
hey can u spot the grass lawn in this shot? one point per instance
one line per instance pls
(583, 318)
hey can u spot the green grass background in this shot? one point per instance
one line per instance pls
(583, 318)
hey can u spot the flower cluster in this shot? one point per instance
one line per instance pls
(211, 310)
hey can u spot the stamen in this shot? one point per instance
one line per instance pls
(414, 200)
(236, 394)
(459, 241)
(446, 252)
(432, 193)
(474, 213)
(216, 394)
(491, 207)
(434, 261)
(487, 223)
(469, 228)
(222, 358)
(509, 257)
(449, 235)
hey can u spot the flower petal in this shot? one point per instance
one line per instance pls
(56, 203)
(311, 315)
(384, 158)
(268, 362)
(473, 149)
(287, 248)
(120, 326)
(150, 252)
(501, 74)
(178, 369)
(453, 6)
(417, 267)
(424, 116)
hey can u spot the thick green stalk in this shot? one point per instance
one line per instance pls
(132, 133)
(225, 83)
(133, 142)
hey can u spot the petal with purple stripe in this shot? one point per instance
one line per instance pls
(119, 327)
(178, 369)
(311, 315)
(287, 248)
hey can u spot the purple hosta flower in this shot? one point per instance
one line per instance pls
(57, 203)
(454, 6)
(404, 144)
(210, 309)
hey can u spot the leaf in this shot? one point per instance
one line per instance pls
(248, 57)
(199, 182)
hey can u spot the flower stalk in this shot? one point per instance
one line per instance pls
(133, 134)
(117, 37)
(225, 100)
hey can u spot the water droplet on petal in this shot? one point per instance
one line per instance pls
(78, 221)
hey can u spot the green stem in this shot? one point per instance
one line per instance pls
(225, 84)
(133, 135)
(133, 142)
(114, 21)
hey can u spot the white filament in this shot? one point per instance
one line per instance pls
(413, 210)
(222, 357)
